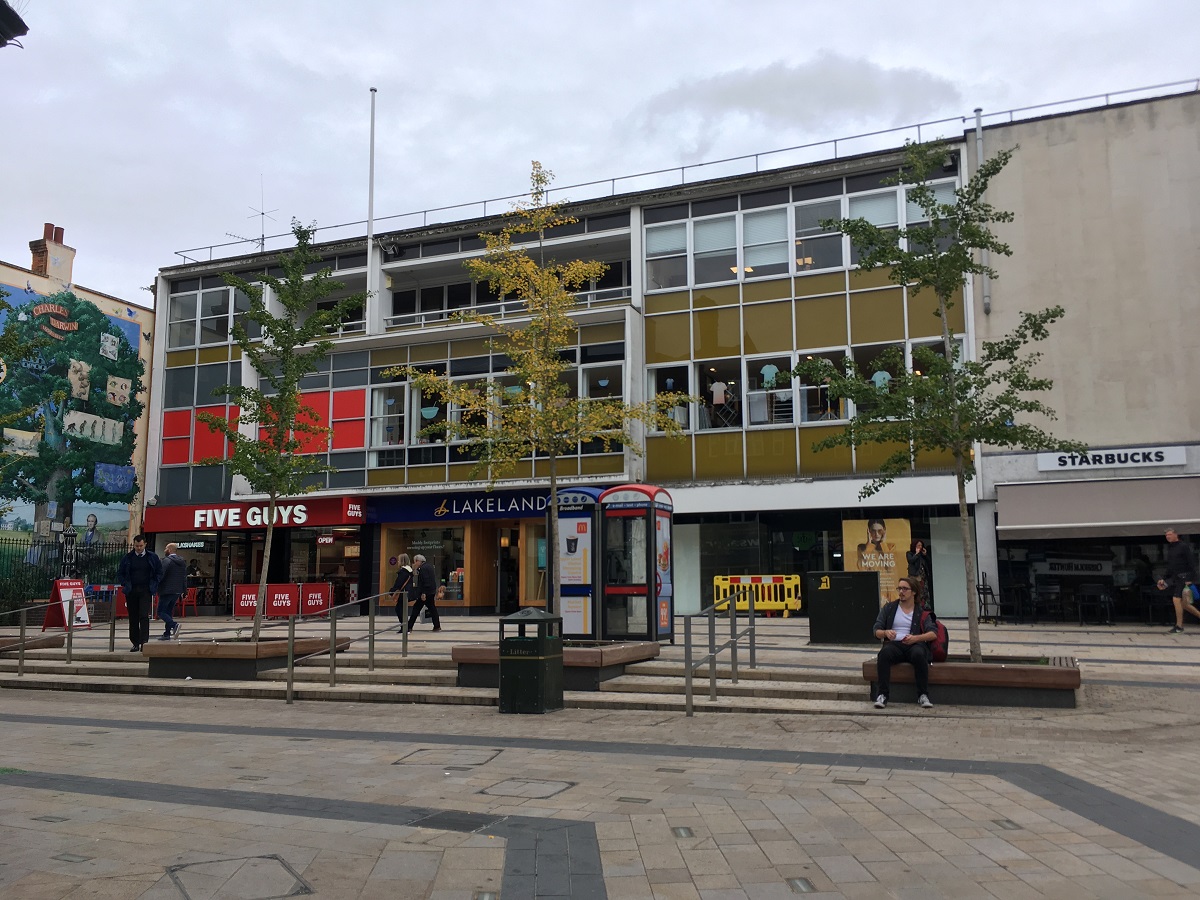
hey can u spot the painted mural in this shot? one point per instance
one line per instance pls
(73, 455)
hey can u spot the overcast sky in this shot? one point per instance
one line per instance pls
(144, 126)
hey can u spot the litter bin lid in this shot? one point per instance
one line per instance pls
(531, 614)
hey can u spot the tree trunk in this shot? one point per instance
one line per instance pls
(261, 604)
(964, 516)
(552, 535)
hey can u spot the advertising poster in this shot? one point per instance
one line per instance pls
(575, 551)
(662, 570)
(877, 545)
(576, 614)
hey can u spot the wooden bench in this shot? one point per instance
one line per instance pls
(585, 667)
(1001, 681)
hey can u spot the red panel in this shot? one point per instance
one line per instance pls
(350, 405)
(177, 424)
(176, 451)
(208, 443)
(349, 435)
(314, 409)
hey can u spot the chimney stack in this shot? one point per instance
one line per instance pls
(51, 257)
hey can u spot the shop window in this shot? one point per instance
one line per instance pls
(714, 243)
(604, 382)
(673, 380)
(769, 399)
(815, 403)
(429, 413)
(719, 383)
(666, 257)
(765, 239)
(875, 367)
(816, 246)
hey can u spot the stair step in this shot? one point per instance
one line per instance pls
(675, 669)
(134, 668)
(440, 677)
(744, 688)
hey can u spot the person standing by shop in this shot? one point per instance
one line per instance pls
(404, 574)
(422, 592)
(1181, 569)
(918, 568)
(170, 588)
(140, 572)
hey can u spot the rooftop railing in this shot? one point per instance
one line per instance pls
(800, 154)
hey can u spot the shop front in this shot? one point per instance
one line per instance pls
(316, 540)
(487, 548)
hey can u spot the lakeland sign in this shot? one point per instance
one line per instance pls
(448, 507)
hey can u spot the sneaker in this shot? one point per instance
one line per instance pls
(880, 702)
(1176, 630)
(924, 702)
(175, 633)
(437, 628)
(135, 649)
(164, 637)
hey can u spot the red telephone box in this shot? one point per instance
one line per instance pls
(638, 596)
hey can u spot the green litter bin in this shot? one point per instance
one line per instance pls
(531, 665)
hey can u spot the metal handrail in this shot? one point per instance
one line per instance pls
(611, 183)
(710, 613)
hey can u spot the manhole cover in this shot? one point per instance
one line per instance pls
(246, 877)
(461, 758)
(524, 787)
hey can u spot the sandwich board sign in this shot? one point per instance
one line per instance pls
(68, 606)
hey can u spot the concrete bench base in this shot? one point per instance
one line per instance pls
(11, 643)
(1001, 681)
(585, 668)
(228, 660)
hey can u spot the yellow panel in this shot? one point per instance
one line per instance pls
(390, 356)
(428, 352)
(235, 352)
(771, 453)
(385, 476)
(934, 459)
(869, 457)
(212, 354)
(811, 285)
(461, 472)
(565, 466)
(602, 465)
(426, 474)
(460, 349)
(717, 333)
(821, 322)
(668, 459)
(673, 302)
(860, 279)
(753, 291)
(668, 338)
(877, 316)
(722, 296)
(719, 456)
(923, 320)
(179, 358)
(767, 327)
(828, 462)
(602, 334)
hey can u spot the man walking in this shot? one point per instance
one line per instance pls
(170, 588)
(139, 572)
(1181, 569)
(422, 591)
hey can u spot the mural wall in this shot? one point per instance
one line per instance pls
(79, 451)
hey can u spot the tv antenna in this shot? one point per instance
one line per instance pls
(263, 215)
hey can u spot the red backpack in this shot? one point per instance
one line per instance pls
(937, 652)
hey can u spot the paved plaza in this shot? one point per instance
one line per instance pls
(119, 796)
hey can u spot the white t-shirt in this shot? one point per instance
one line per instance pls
(719, 389)
(903, 622)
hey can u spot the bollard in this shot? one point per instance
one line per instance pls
(332, 648)
(733, 637)
(70, 634)
(291, 656)
(712, 656)
(371, 636)
(112, 627)
(687, 662)
(404, 627)
(21, 649)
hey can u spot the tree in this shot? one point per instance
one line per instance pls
(534, 412)
(275, 455)
(71, 400)
(944, 403)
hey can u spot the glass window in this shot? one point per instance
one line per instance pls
(769, 398)
(765, 237)
(878, 209)
(720, 388)
(179, 388)
(209, 378)
(816, 246)
(387, 415)
(181, 321)
(915, 217)
(815, 403)
(674, 380)
(429, 411)
(604, 381)
(714, 244)
(666, 256)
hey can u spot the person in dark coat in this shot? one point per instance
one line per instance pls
(1181, 569)
(404, 574)
(422, 592)
(140, 572)
(905, 639)
(170, 589)
(918, 568)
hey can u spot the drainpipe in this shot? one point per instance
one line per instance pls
(987, 282)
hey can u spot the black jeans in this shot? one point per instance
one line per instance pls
(166, 611)
(426, 601)
(138, 602)
(894, 652)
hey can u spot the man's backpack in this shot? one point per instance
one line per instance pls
(941, 646)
